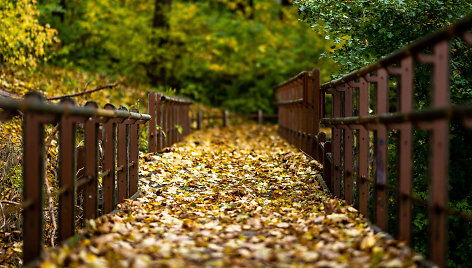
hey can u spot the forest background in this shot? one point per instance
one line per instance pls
(222, 53)
(231, 54)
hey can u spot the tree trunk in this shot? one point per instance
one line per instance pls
(160, 18)
(155, 69)
(61, 15)
(251, 5)
(284, 3)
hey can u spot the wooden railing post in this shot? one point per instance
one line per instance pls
(405, 72)
(123, 159)
(188, 120)
(166, 123)
(363, 143)
(437, 201)
(336, 146)
(292, 121)
(159, 122)
(381, 152)
(317, 109)
(199, 120)
(305, 113)
(260, 117)
(179, 122)
(67, 175)
(320, 140)
(134, 156)
(327, 165)
(300, 109)
(108, 177)
(172, 135)
(152, 129)
(33, 181)
(348, 147)
(225, 118)
(91, 165)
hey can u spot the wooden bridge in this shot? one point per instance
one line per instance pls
(353, 151)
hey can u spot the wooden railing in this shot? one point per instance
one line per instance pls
(170, 120)
(225, 117)
(346, 158)
(119, 129)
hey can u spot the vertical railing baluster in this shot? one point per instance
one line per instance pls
(317, 107)
(337, 144)
(310, 114)
(33, 180)
(348, 147)
(293, 117)
(108, 180)
(173, 121)
(188, 119)
(437, 202)
(159, 116)
(67, 175)
(123, 159)
(381, 143)
(170, 127)
(362, 184)
(91, 165)
(168, 122)
(134, 156)
(300, 107)
(405, 72)
(327, 166)
(199, 120)
(164, 123)
(225, 118)
(321, 138)
(152, 127)
(179, 120)
(260, 117)
(301, 112)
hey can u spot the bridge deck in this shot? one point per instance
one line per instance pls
(234, 196)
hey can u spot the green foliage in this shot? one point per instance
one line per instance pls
(221, 53)
(375, 28)
(23, 40)
(179, 128)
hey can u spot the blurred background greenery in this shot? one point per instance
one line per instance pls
(224, 53)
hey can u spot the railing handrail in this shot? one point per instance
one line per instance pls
(13, 104)
(430, 114)
(175, 99)
(290, 80)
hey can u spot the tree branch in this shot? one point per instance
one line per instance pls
(11, 203)
(84, 92)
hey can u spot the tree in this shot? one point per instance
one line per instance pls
(23, 40)
(369, 29)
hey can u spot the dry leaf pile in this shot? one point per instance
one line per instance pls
(232, 197)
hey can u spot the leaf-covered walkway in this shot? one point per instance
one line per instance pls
(238, 196)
